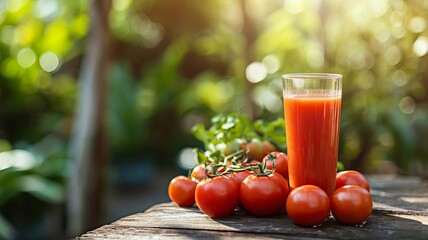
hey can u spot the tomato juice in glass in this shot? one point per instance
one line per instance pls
(312, 119)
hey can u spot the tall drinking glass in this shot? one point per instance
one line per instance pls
(312, 114)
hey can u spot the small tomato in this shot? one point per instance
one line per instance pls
(280, 160)
(198, 173)
(181, 191)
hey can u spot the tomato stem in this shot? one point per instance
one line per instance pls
(220, 169)
(234, 157)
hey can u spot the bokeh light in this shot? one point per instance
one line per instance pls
(267, 99)
(399, 78)
(46, 8)
(420, 47)
(293, 6)
(407, 105)
(20, 159)
(392, 55)
(15, 5)
(49, 61)
(26, 57)
(271, 63)
(417, 24)
(121, 5)
(187, 158)
(256, 72)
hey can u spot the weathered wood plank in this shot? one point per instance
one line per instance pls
(405, 195)
(159, 233)
(395, 216)
(165, 217)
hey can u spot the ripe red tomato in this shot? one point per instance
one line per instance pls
(255, 150)
(217, 197)
(351, 204)
(268, 147)
(308, 205)
(351, 177)
(258, 149)
(198, 173)
(240, 176)
(235, 146)
(281, 163)
(264, 195)
(181, 190)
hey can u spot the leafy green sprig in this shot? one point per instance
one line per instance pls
(228, 133)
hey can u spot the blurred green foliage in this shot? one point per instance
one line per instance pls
(229, 134)
(178, 63)
(36, 170)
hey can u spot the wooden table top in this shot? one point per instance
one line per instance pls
(400, 212)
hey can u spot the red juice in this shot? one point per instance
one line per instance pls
(312, 131)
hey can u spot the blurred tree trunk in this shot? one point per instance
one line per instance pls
(88, 150)
(250, 36)
(322, 31)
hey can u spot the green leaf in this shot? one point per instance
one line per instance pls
(6, 229)
(227, 129)
(259, 126)
(228, 126)
(9, 187)
(201, 133)
(42, 188)
(200, 155)
(340, 166)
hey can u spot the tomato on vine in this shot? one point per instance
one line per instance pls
(280, 160)
(198, 173)
(181, 191)
(217, 197)
(264, 195)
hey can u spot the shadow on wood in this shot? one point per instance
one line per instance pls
(399, 213)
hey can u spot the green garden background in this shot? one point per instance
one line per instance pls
(172, 64)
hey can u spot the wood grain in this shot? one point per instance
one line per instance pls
(400, 212)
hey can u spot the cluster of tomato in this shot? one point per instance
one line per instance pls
(262, 190)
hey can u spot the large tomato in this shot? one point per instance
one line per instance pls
(181, 190)
(351, 204)
(351, 177)
(280, 160)
(264, 195)
(217, 197)
(308, 206)
(198, 173)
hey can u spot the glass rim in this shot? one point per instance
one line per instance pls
(312, 75)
